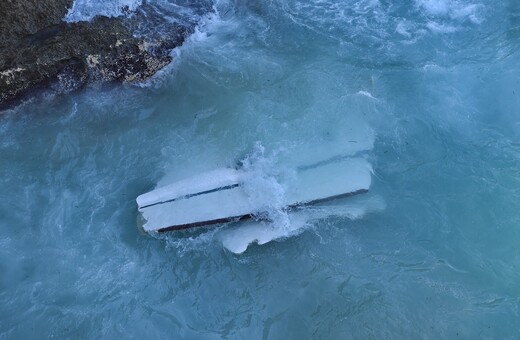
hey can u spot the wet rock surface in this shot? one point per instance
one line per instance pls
(40, 52)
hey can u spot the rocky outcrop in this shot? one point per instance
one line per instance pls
(23, 17)
(40, 52)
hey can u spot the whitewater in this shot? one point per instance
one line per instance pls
(425, 91)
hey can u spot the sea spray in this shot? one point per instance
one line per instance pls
(261, 185)
(84, 10)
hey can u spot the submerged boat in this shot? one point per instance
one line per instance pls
(226, 195)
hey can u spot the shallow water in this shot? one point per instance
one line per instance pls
(432, 88)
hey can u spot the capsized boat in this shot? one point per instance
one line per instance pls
(223, 195)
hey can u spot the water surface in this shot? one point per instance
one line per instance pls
(431, 251)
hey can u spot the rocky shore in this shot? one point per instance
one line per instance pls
(41, 52)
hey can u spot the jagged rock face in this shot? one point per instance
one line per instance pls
(24, 17)
(44, 53)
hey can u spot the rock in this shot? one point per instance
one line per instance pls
(40, 52)
(23, 17)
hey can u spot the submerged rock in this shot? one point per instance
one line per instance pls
(38, 51)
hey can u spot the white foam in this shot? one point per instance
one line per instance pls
(237, 238)
(366, 94)
(84, 10)
(403, 29)
(436, 7)
(440, 28)
(451, 9)
(207, 25)
(283, 224)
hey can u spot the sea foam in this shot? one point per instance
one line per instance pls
(84, 10)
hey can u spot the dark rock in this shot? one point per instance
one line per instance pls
(40, 52)
(24, 17)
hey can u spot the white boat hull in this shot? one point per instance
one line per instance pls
(224, 195)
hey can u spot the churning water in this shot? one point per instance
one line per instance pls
(429, 89)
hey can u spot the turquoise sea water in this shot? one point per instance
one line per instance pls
(432, 251)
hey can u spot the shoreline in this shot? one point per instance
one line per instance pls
(40, 52)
